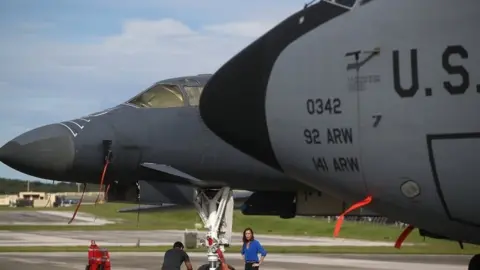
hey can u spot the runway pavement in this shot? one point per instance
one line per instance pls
(153, 260)
(129, 238)
(51, 218)
(157, 238)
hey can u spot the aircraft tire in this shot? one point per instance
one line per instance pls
(474, 263)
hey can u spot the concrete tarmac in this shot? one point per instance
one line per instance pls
(159, 238)
(49, 218)
(153, 260)
(130, 238)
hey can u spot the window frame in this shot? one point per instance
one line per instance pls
(179, 86)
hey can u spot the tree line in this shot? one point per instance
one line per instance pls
(14, 186)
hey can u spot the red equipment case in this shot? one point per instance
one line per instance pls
(98, 258)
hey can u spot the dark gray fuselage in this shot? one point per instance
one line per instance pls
(173, 136)
(74, 151)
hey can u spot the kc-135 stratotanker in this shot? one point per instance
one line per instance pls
(375, 101)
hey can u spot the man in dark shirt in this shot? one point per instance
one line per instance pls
(173, 258)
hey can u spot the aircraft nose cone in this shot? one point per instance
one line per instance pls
(45, 152)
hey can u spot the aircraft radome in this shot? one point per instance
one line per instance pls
(375, 98)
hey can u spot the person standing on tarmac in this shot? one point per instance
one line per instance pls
(250, 249)
(174, 257)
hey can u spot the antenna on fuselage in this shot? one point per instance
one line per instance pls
(309, 4)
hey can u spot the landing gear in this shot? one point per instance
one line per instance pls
(215, 208)
(474, 263)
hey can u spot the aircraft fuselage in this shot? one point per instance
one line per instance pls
(171, 133)
(378, 100)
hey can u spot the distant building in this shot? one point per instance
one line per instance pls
(43, 199)
(31, 195)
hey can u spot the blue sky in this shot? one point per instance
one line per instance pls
(62, 59)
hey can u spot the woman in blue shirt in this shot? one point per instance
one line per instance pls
(250, 250)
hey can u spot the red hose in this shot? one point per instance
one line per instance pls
(78, 204)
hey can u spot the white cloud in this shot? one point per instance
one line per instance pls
(217, 10)
(67, 76)
(144, 51)
(241, 29)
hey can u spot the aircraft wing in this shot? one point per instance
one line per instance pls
(175, 176)
(240, 196)
(154, 208)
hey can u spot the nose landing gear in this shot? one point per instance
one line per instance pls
(215, 208)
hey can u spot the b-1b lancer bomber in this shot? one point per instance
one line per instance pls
(376, 101)
(156, 146)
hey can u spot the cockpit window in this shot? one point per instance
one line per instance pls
(193, 93)
(159, 96)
